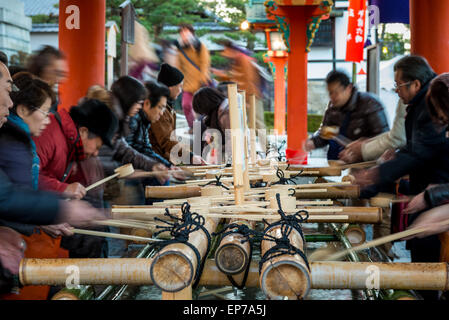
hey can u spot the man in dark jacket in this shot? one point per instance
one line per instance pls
(425, 156)
(356, 114)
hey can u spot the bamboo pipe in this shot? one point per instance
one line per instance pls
(343, 192)
(284, 275)
(232, 256)
(377, 242)
(173, 268)
(324, 275)
(355, 275)
(172, 192)
(365, 215)
(355, 234)
(120, 172)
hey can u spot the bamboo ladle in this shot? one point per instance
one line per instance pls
(323, 254)
(114, 235)
(120, 172)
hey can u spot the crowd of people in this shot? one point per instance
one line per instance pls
(49, 155)
(412, 157)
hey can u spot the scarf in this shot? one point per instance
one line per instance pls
(18, 121)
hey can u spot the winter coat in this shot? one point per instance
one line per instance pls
(393, 139)
(39, 208)
(367, 118)
(160, 133)
(16, 161)
(425, 156)
(139, 139)
(194, 78)
(54, 147)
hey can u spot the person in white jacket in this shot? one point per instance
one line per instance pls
(373, 148)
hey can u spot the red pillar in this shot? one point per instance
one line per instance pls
(83, 46)
(297, 79)
(429, 28)
(279, 94)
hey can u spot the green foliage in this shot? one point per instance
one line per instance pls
(313, 121)
(44, 18)
(217, 61)
(154, 14)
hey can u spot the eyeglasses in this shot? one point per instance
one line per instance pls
(46, 114)
(397, 86)
(162, 108)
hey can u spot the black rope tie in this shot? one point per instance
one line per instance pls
(180, 229)
(282, 245)
(217, 183)
(246, 232)
(282, 180)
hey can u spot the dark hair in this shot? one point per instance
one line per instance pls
(206, 100)
(32, 92)
(3, 58)
(43, 58)
(415, 68)
(16, 69)
(155, 91)
(338, 76)
(128, 91)
(438, 98)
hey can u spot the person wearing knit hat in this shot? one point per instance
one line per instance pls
(172, 78)
(161, 130)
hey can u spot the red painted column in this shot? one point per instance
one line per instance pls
(279, 94)
(84, 45)
(297, 79)
(429, 28)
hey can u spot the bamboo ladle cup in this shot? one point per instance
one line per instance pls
(120, 172)
(323, 254)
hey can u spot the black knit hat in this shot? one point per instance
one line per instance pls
(97, 117)
(170, 76)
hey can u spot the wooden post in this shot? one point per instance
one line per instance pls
(284, 275)
(232, 256)
(252, 127)
(174, 267)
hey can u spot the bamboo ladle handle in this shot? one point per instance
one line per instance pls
(380, 241)
(113, 235)
(120, 172)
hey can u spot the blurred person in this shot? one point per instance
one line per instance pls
(161, 131)
(142, 56)
(438, 105)
(153, 108)
(125, 99)
(213, 106)
(68, 150)
(50, 65)
(424, 158)
(20, 162)
(40, 208)
(356, 114)
(244, 72)
(194, 63)
(364, 149)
